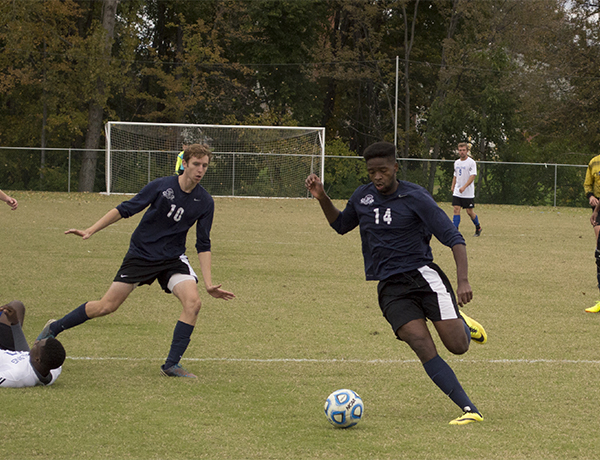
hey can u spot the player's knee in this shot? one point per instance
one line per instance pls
(193, 307)
(18, 306)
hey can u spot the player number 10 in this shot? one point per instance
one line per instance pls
(387, 217)
(178, 213)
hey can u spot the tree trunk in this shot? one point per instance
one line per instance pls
(87, 174)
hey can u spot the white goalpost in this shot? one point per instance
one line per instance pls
(251, 161)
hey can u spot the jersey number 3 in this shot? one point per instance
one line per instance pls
(178, 214)
(387, 217)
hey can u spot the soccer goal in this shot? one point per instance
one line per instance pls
(258, 161)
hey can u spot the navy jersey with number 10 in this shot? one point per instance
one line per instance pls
(396, 229)
(162, 232)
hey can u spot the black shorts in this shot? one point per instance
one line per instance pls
(140, 271)
(6, 338)
(465, 203)
(424, 293)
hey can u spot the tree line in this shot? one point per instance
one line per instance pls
(515, 78)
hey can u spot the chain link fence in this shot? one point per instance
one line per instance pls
(534, 184)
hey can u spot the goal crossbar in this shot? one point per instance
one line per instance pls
(269, 161)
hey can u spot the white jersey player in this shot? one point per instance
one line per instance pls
(20, 366)
(463, 187)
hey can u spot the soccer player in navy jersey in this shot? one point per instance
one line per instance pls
(396, 221)
(157, 252)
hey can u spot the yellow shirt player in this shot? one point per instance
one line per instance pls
(179, 164)
(591, 185)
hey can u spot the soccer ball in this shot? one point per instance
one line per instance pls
(344, 408)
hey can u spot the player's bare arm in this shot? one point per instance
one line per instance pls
(215, 291)
(315, 187)
(109, 218)
(464, 293)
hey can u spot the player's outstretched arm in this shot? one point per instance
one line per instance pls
(205, 259)
(464, 293)
(315, 187)
(109, 218)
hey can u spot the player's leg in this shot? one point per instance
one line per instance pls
(7, 338)
(19, 309)
(417, 335)
(596, 307)
(186, 290)
(475, 220)
(456, 209)
(110, 302)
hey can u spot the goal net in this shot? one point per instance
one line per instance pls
(260, 161)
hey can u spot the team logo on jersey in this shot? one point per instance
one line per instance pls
(169, 194)
(367, 200)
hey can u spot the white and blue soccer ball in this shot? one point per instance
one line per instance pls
(344, 408)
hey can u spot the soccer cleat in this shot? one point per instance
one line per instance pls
(477, 331)
(46, 332)
(176, 371)
(477, 231)
(595, 308)
(467, 417)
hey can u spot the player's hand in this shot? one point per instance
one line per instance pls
(464, 293)
(593, 220)
(85, 234)
(12, 203)
(219, 293)
(315, 186)
(11, 314)
(593, 201)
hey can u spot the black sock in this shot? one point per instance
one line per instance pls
(75, 318)
(181, 339)
(444, 377)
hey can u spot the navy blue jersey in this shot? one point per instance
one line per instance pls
(162, 232)
(396, 229)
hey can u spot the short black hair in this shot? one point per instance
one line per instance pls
(380, 150)
(53, 353)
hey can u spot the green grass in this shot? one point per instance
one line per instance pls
(304, 323)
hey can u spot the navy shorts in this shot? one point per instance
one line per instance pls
(424, 293)
(465, 203)
(140, 271)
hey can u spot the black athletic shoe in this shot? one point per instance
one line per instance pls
(477, 231)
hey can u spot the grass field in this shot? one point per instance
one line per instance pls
(304, 323)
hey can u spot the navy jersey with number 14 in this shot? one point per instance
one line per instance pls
(396, 229)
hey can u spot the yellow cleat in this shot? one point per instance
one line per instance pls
(467, 417)
(477, 331)
(594, 309)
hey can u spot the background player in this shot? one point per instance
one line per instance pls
(463, 187)
(20, 366)
(157, 252)
(179, 163)
(396, 221)
(591, 186)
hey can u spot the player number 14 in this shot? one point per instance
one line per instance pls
(387, 216)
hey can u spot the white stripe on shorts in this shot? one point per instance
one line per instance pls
(179, 277)
(437, 285)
